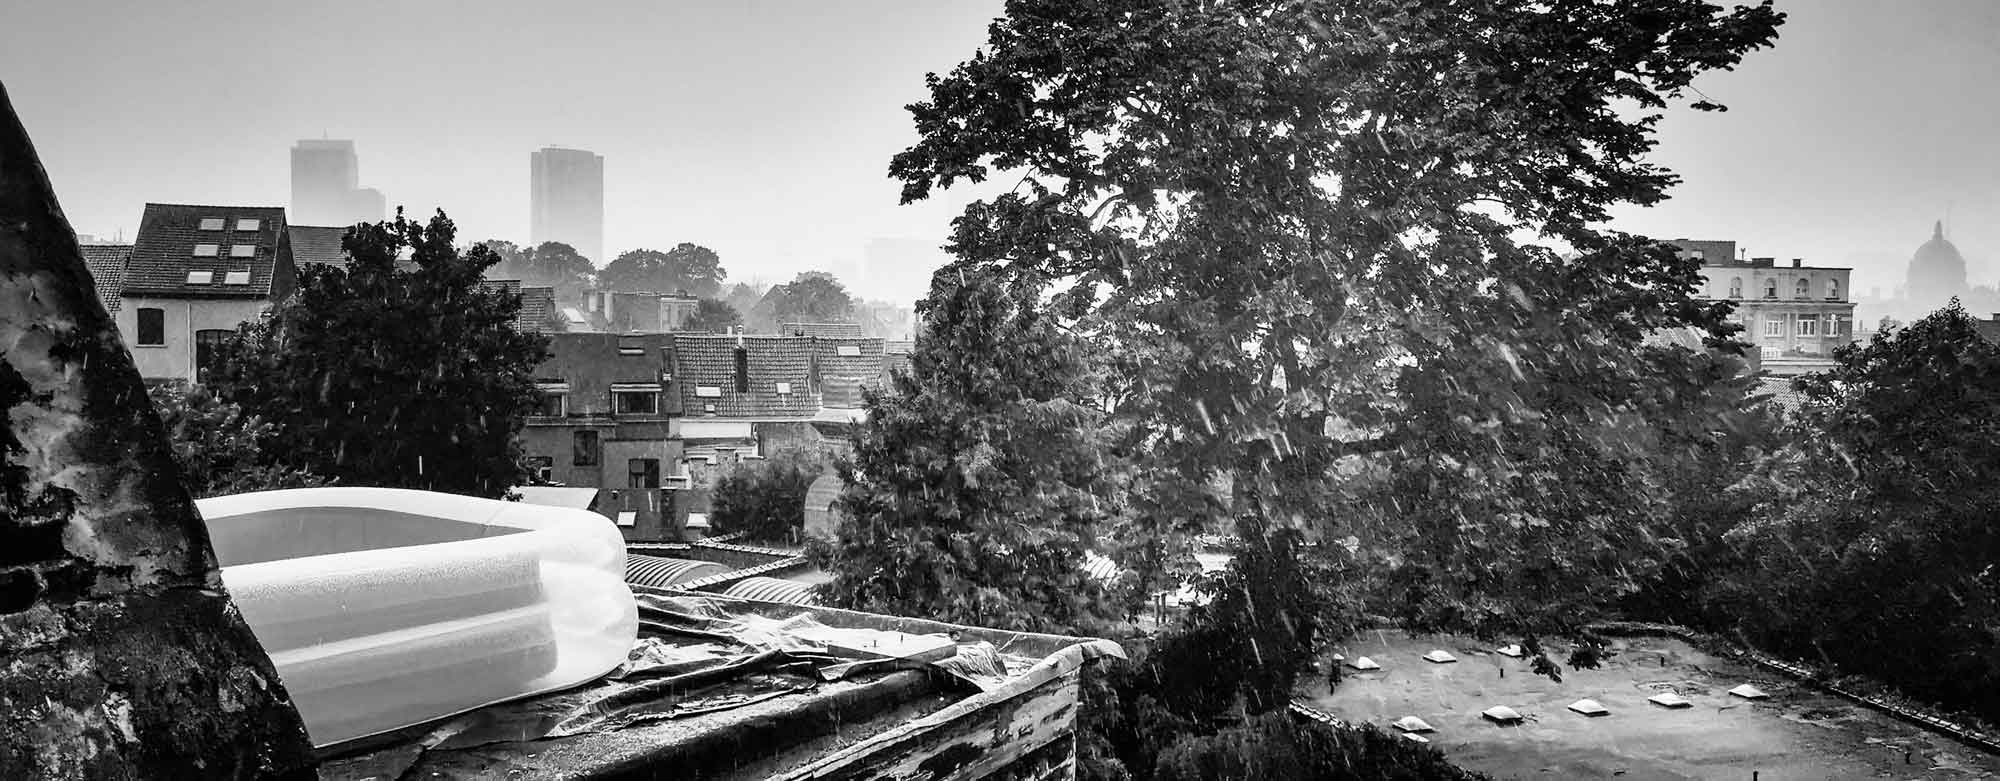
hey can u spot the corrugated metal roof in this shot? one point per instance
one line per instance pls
(661, 572)
(764, 589)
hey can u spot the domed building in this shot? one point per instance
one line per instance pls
(1937, 273)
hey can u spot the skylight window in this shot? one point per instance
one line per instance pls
(249, 225)
(784, 389)
(236, 278)
(849, 351)
(242, 250)
(201, 278)
(211, 223)
(206, 250)
(708, 391)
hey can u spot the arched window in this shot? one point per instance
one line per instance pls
(1801, 290)
(1735, 287)
(1833, 290)
(1770, 288)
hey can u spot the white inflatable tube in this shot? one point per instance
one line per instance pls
(383, 608)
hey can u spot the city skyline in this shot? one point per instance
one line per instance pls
(765, 133)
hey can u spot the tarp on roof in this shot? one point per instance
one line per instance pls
(700, 664)
(558, 496)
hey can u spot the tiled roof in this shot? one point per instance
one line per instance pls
(314, 244)
(709, 361)
(1779, 389)
(1988, 329)
(831, 330)
(844, 366)
(163, 255)
(899, 346)
(538, 304)
(107, 271)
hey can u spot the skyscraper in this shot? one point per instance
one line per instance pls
(326, 187)
(568, 200)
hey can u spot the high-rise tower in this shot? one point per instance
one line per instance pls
(568, 200)
(326, 188)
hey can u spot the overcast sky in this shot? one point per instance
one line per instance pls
(763, 129)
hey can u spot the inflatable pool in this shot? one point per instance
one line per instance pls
(383, 608)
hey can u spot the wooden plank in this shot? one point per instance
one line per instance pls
(985, 743)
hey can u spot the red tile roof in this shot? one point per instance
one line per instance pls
(1989, 329)
(315, 244)
(163, 254)
(107, 271)
(709, 361)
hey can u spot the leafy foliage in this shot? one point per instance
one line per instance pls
(553, 265)
(1872, 545)
(219, 449)
(766, 499)
(379, 376)
(1294, 229)
(976, 482)
(689, 268)
(812, 297)
(712, 316)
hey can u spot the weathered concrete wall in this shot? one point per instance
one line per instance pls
(120, 654)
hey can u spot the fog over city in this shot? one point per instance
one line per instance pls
(1069, 390)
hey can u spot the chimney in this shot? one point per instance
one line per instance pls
(1797, 262)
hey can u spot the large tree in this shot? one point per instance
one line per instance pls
(687, 268)
(219, 448)
(975, 486)
(551, 264)
(712, 316)
(380, 376)
(120, 654)
(811, 297)
(1330, 242)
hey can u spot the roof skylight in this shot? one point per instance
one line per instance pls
(236, 278)
(242, 250)
(211, 223)
(249, 225)
(206, 250)
(201, 278)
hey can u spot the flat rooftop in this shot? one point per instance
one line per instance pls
(1797, 733)
(717, 687)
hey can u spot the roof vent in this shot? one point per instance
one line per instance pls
(236, 278)
(211, 223)
(201, 278)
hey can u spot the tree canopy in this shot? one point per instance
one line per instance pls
(712, 316)
(765, 499)
(974, 487)
(379, 376)
(688, 268)
(811, 297)
(1299, 233)
(221, 449)
(553, 264)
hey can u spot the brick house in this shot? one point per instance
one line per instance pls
(193, 275)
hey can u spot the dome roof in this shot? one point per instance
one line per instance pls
(1937, 271)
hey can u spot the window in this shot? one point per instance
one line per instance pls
(631, 347)
(1833, 290)
(208, 351)
(784, 389)
(1836, 325)
(248, 225)
(201, 277)
(1774, 327)
(541, 470)
(1809, 326)
(584, 443)
(207, 250)
(152, 327)
(635, 402)
(242, 250)
(211, 223)
(1801, 289)
(1770, 288)
(642, 473)
(1735, 287)
(848, 350)
(742, 370)
(708, 391)
(548, 405)
(237, 278)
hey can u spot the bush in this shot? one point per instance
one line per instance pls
(764, 499)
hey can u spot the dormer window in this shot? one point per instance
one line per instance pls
(211, 223)
(201, 277)
(207, 250)
(249, 225)
(242, 250)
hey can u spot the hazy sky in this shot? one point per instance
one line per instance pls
(763, 129)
